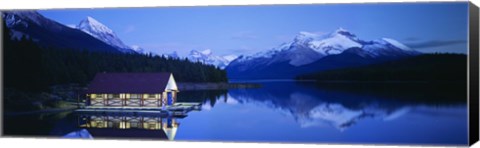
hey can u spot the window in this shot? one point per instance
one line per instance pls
(96, 96)
(151, 95)
(135, 96)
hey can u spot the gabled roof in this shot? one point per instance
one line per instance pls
(129, 83)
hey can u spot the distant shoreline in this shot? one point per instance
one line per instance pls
(182, 86)
(268, 80)
(52, 110)
(391, 82)
(340, 81)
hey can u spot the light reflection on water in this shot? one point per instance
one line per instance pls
(292, 112)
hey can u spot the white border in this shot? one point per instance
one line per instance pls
(53, 4)
(59, 4)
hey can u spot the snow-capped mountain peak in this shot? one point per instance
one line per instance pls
(194, 54)
(305, 36)
(94, 26)
(323, 45)
(340, 29)
(343, 31)
(207, 52)
(327, 44)
(396, 44)
(137, 49)
(308, 48)
(100, 31)
(346, 33)
(207, 57)
(230, 57)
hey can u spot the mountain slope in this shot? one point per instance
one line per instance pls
(103, 33)
(310, 52)
(48, 33)
(207, 57)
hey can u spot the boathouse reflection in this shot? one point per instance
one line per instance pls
(123, 126)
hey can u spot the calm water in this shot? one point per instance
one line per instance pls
(292, 112)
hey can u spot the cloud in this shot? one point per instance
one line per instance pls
(434, 43)
(130, 28)
(244, 35)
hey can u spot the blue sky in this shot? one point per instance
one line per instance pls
(426, 27)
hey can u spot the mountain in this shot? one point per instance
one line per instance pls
(207, 57)
(49, 33)
(173, 55)
(311, 52)
(138, 49)
(103, 33)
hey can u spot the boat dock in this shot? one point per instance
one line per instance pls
(179, 109)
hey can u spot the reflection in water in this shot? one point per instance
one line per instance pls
(284, 112)
(206, 97)
(343, 105)
(124, 126)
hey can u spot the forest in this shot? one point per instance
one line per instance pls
(32, 68)
(435, 67)
(33, 74)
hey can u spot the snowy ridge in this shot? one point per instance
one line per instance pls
(94, 26)
(396, 44)
(49, 33)
(308, 47)
(139, 49)
(103, 33)
(16, 17)
(207, 57)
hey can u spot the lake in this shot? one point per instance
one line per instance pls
(286, 112)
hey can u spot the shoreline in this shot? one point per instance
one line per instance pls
(187, 86)
(385, 82)
(52, 110)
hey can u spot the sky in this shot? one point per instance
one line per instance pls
(245, 30)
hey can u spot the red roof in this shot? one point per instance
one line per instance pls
(129, 83)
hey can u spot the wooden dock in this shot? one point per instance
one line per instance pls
(179, 109)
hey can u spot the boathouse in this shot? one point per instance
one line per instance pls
(132, 90)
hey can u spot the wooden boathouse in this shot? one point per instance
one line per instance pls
(132, 90)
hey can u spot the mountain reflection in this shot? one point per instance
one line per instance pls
(344, 105)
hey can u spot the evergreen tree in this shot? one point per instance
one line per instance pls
(32, 68)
